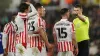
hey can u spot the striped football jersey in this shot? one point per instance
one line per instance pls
(33, 25)
(63, 30)
(9, 33)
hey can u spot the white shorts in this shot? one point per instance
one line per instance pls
(67, 53)
(35, 52)
(1, 54)
(29, 52)
(21, 50)
(11, 54)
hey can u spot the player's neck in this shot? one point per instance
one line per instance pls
(64, 17)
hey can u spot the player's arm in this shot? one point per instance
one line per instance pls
(4, 40)
(81, 17)
(34, 11)
(75, 44)
(74, 40)
(55, 37)
(5, 37)
(44, 37)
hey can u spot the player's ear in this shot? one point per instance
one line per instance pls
(81, 9)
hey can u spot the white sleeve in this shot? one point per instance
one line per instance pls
(4, 40)
(34, 11)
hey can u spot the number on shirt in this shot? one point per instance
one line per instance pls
(62, 32)
(31, 27)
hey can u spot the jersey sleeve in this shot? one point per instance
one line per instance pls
(34, 11)
(39, 22)
(5, 35)
(6, 28)
(4, 40)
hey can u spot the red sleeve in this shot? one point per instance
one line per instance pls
(40, 22)
(7, 28)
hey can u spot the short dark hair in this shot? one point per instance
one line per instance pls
(23, 7)
(78, 6)
(38, 5)
(63, 11)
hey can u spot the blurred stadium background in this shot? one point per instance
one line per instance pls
(91, 9)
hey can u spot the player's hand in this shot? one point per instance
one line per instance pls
(50, 52)
(76, 51)
(5, 52)
(27, 2)
(74, 13)
(50, 46)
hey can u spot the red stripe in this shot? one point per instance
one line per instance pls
(33, 41)
(60, 46)
(30, 40)
(22, 15)
(6, 28)
(39, 22)
(9, 47)
(68, 46)
(64, 46)
(38, 41)
(10, 40)
(13, 39)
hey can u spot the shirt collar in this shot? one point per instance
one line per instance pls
(22, 14)
(63, 19)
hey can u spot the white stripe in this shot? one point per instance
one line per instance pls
(63, 46)
(69, 45)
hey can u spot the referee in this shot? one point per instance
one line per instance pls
(81, 23)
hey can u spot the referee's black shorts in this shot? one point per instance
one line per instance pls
(83, 48)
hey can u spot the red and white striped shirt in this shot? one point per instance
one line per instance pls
(63, 31)
(21, 22)
(9, 32)
(35, 39)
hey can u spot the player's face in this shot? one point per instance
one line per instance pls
(41, 11)
(77, 10)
